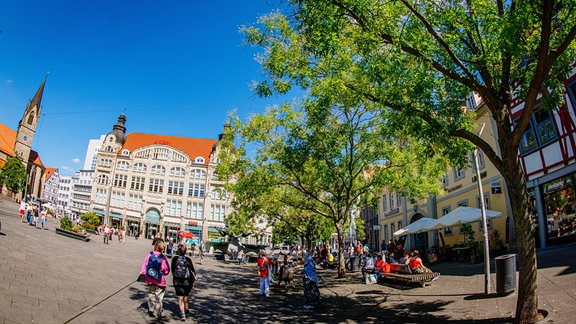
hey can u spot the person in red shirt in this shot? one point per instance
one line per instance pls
(264, 263)
(416, 264)
(380, 263)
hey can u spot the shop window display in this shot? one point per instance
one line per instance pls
(560, 208)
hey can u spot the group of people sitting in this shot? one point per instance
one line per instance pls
(378, 264)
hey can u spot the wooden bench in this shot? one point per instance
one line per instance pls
(402, 272)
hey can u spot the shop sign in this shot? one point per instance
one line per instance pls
(557, 184)
(496, 187)
(193, 223)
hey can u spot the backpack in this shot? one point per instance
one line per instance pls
(181, 270)
(153, 266)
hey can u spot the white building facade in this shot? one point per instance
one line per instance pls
(156, 184)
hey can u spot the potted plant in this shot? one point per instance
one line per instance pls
(68, 228)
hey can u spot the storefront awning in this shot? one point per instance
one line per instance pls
(116, 216)
(98, 212)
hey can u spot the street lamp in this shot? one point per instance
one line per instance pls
(484, 223)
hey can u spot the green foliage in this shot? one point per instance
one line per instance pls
(13, 174)
(416, 61)
(65, 223)
(90, 218)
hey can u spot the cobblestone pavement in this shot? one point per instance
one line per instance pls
(49, 278)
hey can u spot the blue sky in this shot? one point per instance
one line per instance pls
(175, 67)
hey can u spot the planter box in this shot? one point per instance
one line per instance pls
(83, 237)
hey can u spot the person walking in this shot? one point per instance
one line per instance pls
(310, 281)
(155, 267)
(202, 250)
(264, 273)
(106, 233)
(183, 277)
(22, 209)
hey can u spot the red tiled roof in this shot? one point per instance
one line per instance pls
(35, 159)
(193, 147)
(7, 139)
(49, 172)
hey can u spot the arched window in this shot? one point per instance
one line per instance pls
(199, 160)
(158, 169)
(140, 168)
(31, 119)
(177, 172)
(103, 179)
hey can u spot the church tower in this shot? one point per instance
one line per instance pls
(27, 125)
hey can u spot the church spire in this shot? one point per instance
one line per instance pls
(27, 126)
(35, 102)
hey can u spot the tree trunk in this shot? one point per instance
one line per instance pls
(527, 302)
(341, 260)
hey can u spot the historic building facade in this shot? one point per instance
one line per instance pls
(150, 184)
(547, 154)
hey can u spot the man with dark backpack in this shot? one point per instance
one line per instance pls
(184, 276)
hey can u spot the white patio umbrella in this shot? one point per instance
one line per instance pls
(465, 215)
(424, 224)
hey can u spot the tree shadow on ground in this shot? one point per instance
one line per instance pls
(230, 294)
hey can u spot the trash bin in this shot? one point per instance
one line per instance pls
(505, 273)
(353, 264)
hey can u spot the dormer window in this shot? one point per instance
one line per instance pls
(125, 153)
(199, 160)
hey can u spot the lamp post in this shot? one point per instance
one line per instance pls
(484, 223)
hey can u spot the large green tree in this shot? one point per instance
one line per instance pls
(322, 159)
(13, 174)
(418, 59)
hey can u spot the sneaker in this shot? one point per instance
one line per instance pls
(183, 317)
(151, 314)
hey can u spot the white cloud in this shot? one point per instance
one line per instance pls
(9, 82)
(67, 168)
(76, 160)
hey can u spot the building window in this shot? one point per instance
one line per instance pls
(103, 179)
(218, 194)
(391, 201)
(447, 230)
(122, 165)
(158, 169)
(177, 172)
(194, 210)
(117, 199)
(156, 185)
(399, 224)
(140, 168)
(199, 160)
(481, 163)
(101, 196)
(444, 180)
(398, 199)
(175, 187)
(384, 203)
(120, 180)
(458, 174)
(137, 183)
(217, 213)
(540, 132)
(196, 190)
(197, 174)
(392, 230)
(386, 233)
(173, 208)
(135, 202)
